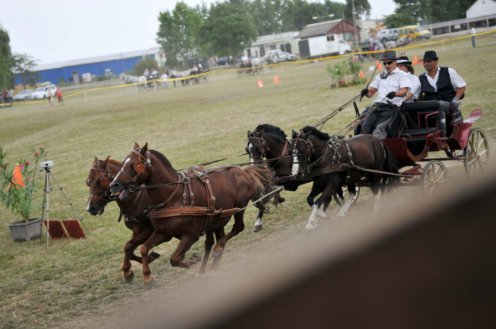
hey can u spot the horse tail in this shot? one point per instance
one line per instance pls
(263, 178)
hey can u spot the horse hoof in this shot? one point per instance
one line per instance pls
(150, 283)
(128, 277)
(257, 228)
(310, 227)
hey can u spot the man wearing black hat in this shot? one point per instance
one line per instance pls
(391, 87)
(443, 84)
(405, 65)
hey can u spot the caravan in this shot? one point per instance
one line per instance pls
(324, 45)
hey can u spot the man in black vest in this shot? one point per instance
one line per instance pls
(443, 84)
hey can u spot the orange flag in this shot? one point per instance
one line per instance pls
(260, 83)
(276, 80)
(361, 75)
(17, 179)
(415, 60)
(379, 66)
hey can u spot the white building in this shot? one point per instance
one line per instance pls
(284, 41)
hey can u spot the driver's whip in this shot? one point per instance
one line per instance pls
(370, 80)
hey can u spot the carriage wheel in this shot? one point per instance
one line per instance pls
(476, 153)
(434, 177)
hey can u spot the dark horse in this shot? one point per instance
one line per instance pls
(268, 143)
(133, 206)
(190, 203)
(332, 164)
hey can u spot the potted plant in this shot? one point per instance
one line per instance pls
(17, 184)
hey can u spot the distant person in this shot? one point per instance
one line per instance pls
(58, 94)
(49, 95)
(405, 65)
(474, 33)
(443, 84)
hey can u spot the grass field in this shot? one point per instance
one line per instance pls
(42, 285)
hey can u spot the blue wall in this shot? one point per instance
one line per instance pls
(117, 67)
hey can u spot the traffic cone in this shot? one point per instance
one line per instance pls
(361, 75)
(379, 66)
(415, 60)
(260, 83)
(276, 80)
(17, 179)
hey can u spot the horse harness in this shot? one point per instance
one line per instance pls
(262, 148)
(105, 180)
(161, 211)
(341, 160)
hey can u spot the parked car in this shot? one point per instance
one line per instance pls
(414, 32)
(277, 55)
(43, 92)
(386, 35)
(224, 60)
(23, 95)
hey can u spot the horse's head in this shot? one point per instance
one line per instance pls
(255, 147)
(98, 181)
(135, 170)
(302, 150)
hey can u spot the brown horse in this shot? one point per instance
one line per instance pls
(190, 203)
(332, 164)
(133, 206)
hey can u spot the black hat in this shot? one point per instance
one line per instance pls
(430, 55)
(403, 60)
(389, 55)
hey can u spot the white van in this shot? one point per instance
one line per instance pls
(44, 92)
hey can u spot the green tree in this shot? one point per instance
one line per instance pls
(399, 19)
(228, 29)
(146, 63)
(22, 65)
(6, 76)
(267, 15)
(429, 11)
(177, 34)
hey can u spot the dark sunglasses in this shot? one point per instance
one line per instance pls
(387, 63)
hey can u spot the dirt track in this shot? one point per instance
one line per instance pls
(263, 251)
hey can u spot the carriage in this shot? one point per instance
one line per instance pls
(422, 141)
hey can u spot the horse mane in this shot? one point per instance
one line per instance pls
(309, 130)
(114, 162)
(161, 157)
(272, 130)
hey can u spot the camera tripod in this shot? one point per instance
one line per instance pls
(45, 216)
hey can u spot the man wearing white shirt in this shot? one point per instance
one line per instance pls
(391, 87)
(443, 84)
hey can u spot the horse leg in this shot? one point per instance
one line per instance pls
(209, 242)
(375, 186)
(346, 206)
(258, 223)
(139, 236)
(154, 240)
(237, 228)
(177, 258)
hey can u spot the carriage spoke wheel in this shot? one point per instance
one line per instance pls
(434, 177)
(476, 153)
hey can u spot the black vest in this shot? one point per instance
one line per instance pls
(445, 90)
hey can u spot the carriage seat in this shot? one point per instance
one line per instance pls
(421, 118)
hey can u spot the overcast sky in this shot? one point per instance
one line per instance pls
(56, 30)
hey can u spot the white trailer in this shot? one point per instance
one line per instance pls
(325, 45)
